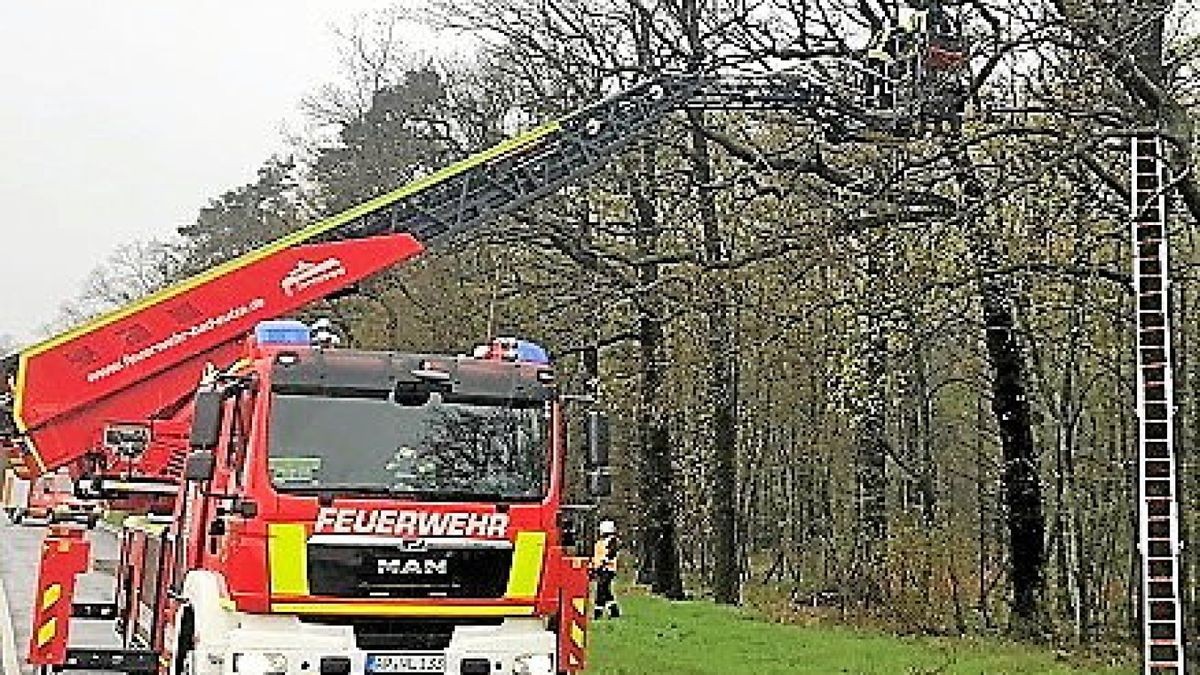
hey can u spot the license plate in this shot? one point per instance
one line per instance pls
(406, 663)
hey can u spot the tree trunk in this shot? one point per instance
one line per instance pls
(1023, 512)
(657, 486)
(871, 455)
(721, 396)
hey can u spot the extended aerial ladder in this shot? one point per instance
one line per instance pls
(111, 399)
(139, 362)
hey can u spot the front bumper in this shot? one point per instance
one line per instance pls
(283, 645)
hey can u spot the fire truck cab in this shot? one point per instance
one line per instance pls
(364, 512)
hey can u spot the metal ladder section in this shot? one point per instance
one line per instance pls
(1158, 509)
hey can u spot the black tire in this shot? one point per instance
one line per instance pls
(17, 516)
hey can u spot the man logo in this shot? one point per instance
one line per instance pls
(411, 566)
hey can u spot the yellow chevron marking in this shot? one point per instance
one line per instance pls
(577, 635)
(51, 595)
(46, 632)
(580, 605)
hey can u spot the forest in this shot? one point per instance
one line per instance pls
(872, 378)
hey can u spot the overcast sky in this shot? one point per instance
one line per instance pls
(120, 119)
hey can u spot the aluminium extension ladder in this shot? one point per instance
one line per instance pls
(1158, 508)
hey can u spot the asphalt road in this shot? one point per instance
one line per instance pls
(19, 546)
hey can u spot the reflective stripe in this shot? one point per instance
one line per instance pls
(526, 570)
(577, 635)
(344, 608)
(46, 632)
(51, 595)
(287, 556)
(580, 605)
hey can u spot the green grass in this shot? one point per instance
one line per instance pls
(699, 638)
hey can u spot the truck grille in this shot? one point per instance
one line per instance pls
(423, 635)
(392, 572)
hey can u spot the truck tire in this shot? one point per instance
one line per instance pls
(16, 516)
(92, 521)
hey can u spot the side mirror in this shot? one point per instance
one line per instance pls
(599, 483)
(597, 439)
(207, 411)
(246, 508)
(127, 440)
(200, 466)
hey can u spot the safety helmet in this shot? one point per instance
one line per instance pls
(608, 527)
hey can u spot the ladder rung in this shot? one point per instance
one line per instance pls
(1161, 569)
(1160, 549)
(1158, 487)
(1158, 506)
(1153, 356)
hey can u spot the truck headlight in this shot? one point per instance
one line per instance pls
(534, 664)
(260, 663)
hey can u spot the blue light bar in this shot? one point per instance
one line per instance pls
(283, 332)
(531, 352)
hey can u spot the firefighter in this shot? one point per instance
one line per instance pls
(604, 569)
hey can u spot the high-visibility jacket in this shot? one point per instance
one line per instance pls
(604, 554)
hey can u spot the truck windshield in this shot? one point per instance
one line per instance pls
(429, 448)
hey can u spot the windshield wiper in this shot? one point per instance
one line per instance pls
(468, 496)
(373, 489)
(339, 488)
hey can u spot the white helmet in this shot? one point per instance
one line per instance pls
(608, 527)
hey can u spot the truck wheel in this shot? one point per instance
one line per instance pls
(92, 521)
(17, 516)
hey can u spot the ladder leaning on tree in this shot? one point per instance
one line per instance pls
(1158, 507)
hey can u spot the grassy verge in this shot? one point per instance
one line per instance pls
(699, 638)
